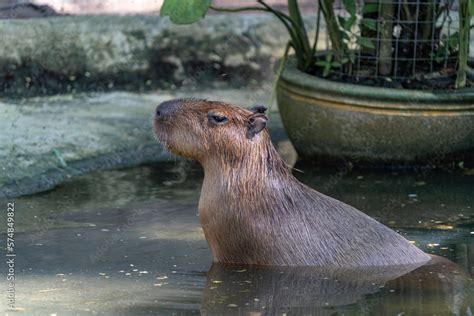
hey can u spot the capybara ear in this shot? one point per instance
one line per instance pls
(258, 109)
(256, 123)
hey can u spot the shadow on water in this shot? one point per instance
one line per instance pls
(129, 242)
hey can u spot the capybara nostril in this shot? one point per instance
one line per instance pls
(167, 108)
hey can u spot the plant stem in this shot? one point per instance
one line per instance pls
(264, 9)
(274, 11)
(310, 63)
(464, 25)
(281, 67)
(335, 34)
(219, 9)
(316, 37)
(295, 33)
(295, 16)
(285, 19)
(426, 27)
(386, 30)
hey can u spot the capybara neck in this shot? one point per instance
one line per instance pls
(258, 170)
(254, 211)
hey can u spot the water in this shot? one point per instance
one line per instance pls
(128, 242)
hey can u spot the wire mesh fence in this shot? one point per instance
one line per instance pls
(401, 43)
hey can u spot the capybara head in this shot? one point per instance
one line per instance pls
(202, 129)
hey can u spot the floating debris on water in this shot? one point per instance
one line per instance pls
(160, 284)
(443, 227)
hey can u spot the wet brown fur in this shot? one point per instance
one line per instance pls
(254, 211)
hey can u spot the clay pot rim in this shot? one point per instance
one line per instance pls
(305, 85)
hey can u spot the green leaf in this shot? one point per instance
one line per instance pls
(299, 27)
(349, 22)
(322, 63)
(295, 15)
(365, 42)
(336, 64)
(341, 20)
(350, 6)
(327, 71)
(370, 8)
(470, 7)
(346, 24)
(370, 24)
(184, 11)
(352, 57)
(453, 40)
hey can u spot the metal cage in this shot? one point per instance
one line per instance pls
(401, 43)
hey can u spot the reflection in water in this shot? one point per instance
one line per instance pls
(440, 287)
(128, 242)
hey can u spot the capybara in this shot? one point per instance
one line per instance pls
(254, 211)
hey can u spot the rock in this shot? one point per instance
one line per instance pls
(25, 10)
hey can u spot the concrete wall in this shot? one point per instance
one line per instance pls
(63, 54)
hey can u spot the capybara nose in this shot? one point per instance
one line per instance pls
(167, 108)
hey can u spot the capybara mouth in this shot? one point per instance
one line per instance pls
(163, 116)
(161, 133)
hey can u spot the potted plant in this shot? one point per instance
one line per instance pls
(393, 86)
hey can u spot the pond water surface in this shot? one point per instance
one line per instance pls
(129, 242)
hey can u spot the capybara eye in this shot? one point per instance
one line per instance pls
(158, 113)
(217, 119)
